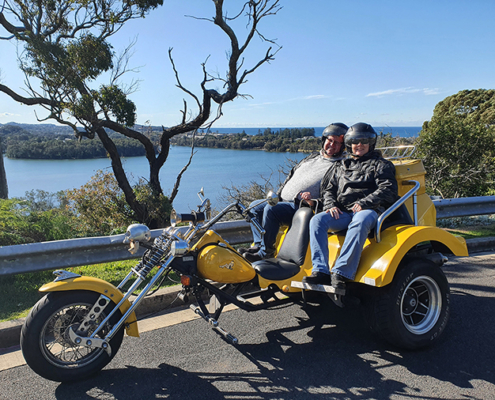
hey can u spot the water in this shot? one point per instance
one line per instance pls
(210, 168)
(403, 131)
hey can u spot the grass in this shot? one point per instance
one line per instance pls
(473, 232)
(19, 293)
(470, 227)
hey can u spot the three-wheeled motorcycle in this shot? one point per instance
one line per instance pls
(78, 326)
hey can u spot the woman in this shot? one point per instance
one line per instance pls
(355, 192)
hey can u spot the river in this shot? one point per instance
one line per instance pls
(210, 168)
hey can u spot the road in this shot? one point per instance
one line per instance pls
(319, 351)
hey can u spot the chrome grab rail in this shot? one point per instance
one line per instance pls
(396, 205)
(398, 152)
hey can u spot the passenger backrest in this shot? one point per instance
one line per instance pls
(296, 240)
(399, 217)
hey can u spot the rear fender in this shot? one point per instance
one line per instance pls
(99, 286)
(379, 261)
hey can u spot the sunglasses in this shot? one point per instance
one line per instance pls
(357, 141)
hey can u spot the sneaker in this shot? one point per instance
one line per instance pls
(317, 278)
(338, 281)
(252, 249)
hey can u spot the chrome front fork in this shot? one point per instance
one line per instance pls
(80, 338)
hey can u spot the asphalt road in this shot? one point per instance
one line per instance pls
(319, 351)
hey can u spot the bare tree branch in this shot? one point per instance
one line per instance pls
(175, 190)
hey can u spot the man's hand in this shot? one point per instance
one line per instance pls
(306, 196)
(356, 208)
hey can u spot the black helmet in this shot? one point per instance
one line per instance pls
(360, 131)
(335, 129)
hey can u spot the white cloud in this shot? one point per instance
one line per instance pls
(6, 114)
(313, 97)
(402, 91)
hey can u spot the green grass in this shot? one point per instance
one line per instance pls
(474, 232)
(19, 293)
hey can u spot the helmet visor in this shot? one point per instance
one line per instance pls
(361, 140)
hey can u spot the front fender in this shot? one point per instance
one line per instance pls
(99, 286)
(379, 261)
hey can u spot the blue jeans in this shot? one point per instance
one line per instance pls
(271, 219)
(358, 227)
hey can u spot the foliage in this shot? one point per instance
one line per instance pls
(29, 146)
(474, 106)
(246, 193)
(101, 208)
(457, 146)
(387, 140)
(99, 205)
(286, 140)
(35, 219)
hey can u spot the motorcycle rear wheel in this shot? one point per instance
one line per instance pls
(45, 341)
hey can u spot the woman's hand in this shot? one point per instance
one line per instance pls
(334, 212)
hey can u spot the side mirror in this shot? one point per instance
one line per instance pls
(272, 198)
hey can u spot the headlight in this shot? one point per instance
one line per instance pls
(137, 233)
(175, 218)
(179, 248)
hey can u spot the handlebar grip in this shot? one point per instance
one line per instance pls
(194, 217)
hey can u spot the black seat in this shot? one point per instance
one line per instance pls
(292, 252)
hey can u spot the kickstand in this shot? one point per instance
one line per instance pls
(303, 295)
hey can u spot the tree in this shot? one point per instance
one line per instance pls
(4, 190)
(66, 47)
(474, 106)
(457, 145)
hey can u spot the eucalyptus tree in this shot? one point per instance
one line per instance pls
(4, 189)
(457, 145)
(65, 46)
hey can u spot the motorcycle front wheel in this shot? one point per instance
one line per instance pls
(45, 341)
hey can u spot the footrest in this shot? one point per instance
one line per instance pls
(318, 288)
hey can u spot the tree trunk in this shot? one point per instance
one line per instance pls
(4, 190)
(138, 208)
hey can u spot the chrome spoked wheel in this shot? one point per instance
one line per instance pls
(421, 305)
(47, 346)
(55, 343)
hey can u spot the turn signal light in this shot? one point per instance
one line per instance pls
(185, 280)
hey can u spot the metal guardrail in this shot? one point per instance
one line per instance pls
(35, 257)
(465, 206)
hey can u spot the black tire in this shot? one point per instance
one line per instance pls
(412, 312)
(46, 346)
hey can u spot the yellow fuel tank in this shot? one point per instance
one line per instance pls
(220, 262)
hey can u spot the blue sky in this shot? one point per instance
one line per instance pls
(387, 63)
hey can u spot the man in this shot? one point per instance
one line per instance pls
(355, 192)
(302, 184)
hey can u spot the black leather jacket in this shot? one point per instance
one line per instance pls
(368, 181)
